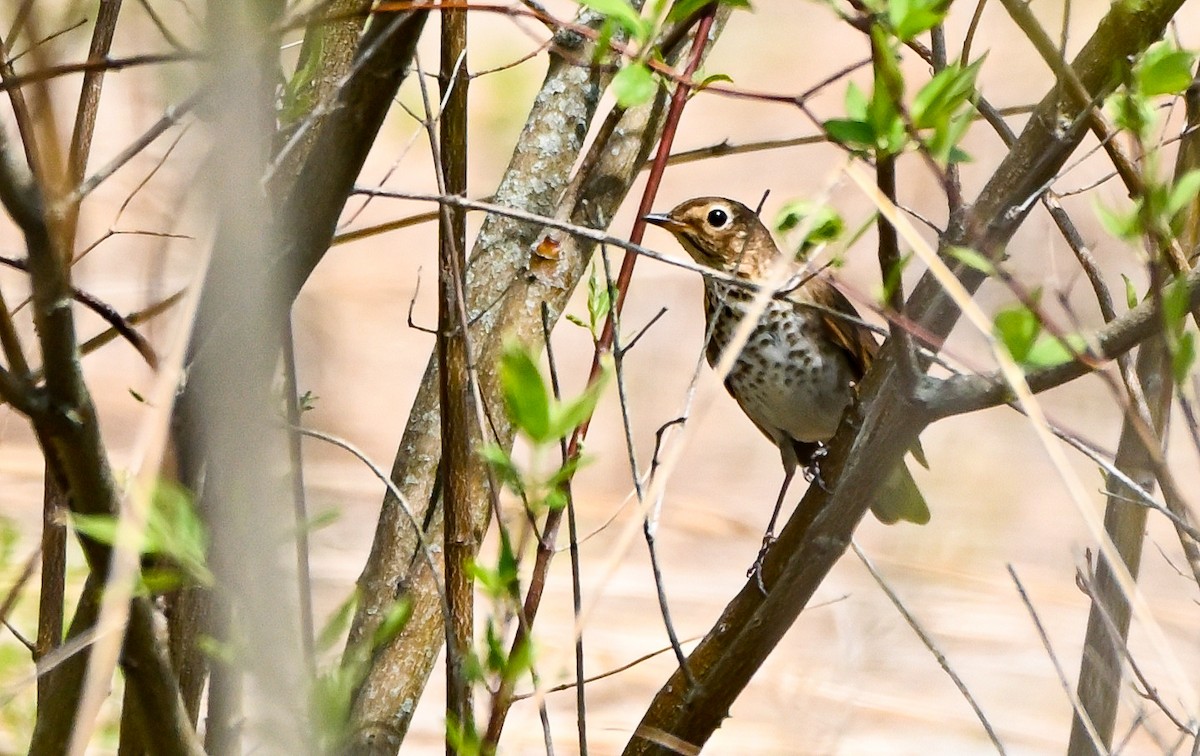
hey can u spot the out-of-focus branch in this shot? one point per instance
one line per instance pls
(70, 433)
(1104, 651)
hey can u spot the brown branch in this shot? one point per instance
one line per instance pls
(884, 424)
(459, 426)
(70, 434)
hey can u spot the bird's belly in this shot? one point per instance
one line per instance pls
(791, 386)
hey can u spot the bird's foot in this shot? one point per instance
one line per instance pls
(756, 569)
(812, 470)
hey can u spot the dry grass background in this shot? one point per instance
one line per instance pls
(850, 677)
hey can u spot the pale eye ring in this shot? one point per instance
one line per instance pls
(717, 217)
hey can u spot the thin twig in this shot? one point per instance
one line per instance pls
(930, 644)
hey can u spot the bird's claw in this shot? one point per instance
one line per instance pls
(756, 569)
(812, 470)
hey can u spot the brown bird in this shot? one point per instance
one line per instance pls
(798, 371)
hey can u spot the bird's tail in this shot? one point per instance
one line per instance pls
(900, 499)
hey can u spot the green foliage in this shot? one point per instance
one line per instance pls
(1164, 69)
(818, 222)
(530, 406)
(634, 85)
(173, 530)
(941, 111)
(544, 420)
(873, 124)
(1157, 213)
(908, 18)
(307, 401)
(1131, 295)
(332, 693)
(1181, 343)
(1019, 329)
(623, 14)
(683, 9)
(972, 259)
(599, 303)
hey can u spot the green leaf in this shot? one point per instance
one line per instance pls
(944, 95)
(1131, 295)
(1132, 112)
(525, 393)
(1164, 69)
(173, 530)
(821, 222)
(708, 81)
(100, 528)
(972, 259)
(908, 18)
(570, 413)
(623, 14)
(889, 80)
(504, 466)
(338, 624)
(1017, 328)
(1049, 351)
(856, 102)
(683, 9)
(633, 85)
(853, 134)
(1125, 225)
(394, 619)
(1184, 190)
(1175, 305)
(599, 300)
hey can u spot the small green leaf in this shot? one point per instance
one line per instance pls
(854, 134)
(908, 18)
(525, 393)
(821, 222)
(684, 9)
(633, 85)
(1131, 295)
(394, 619)
(599, 301)
(943, 95)
(100, 528)
(1183, 192)
(338, 624)
(1049, 351)
(1175, 305)
(504, 466)
(856, 102)
(1164, 69)
(571, 413)
(1017, 328)
(708, 81)
(623, 14)
(1125, 225)
(972, 259)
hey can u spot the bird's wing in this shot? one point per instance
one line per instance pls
(848, 333)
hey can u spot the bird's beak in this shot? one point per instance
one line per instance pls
(664, 221)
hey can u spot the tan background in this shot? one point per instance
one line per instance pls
(851, 677)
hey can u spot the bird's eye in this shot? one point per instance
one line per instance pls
(717, 218)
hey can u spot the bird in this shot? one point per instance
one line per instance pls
(797, 373)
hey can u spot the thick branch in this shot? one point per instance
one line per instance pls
(885, 423)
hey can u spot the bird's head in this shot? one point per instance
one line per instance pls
(720, 233)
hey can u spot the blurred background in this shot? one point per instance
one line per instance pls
(851, 677)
